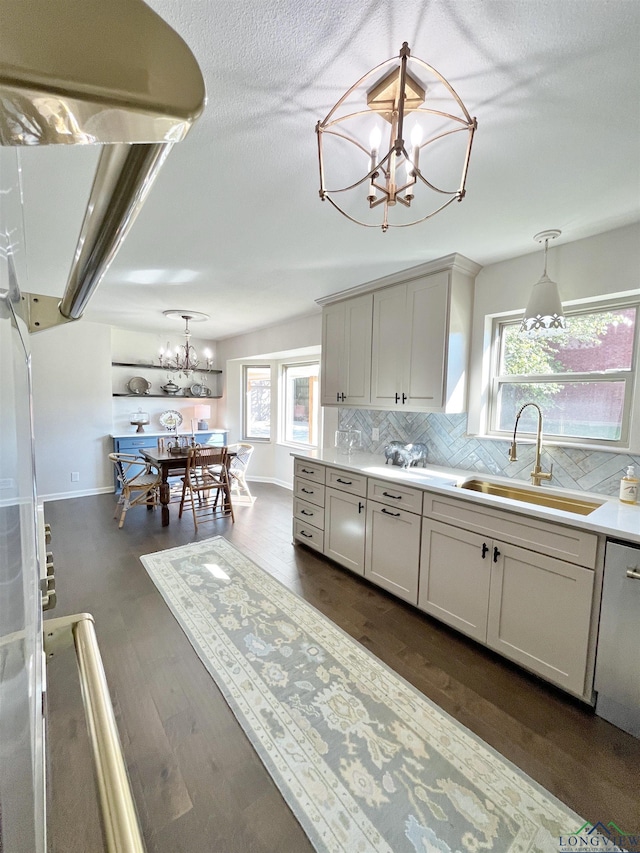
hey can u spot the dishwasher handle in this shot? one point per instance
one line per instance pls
(633, 573)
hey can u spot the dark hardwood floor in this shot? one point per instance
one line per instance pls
(198, 784)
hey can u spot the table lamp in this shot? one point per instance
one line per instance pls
(203, 413)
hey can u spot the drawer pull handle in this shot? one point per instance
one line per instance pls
(306, 491)
(633, 574)
(306, 512)
(360, 507)
(307, 471)
(344, 482)
(306, 535)
(387, 512)
(496, 553)
(395, 497)
(485, 548)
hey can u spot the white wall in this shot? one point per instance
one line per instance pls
(135, 347)
(271, 460)
(72, 408)
(597, 266)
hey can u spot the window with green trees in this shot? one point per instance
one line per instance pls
(582, 378)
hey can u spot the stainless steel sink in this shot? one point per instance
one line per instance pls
(568, 503)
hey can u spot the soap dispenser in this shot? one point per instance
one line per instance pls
(629, 487)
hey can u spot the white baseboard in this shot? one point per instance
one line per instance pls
(272, 480)
(85, 493)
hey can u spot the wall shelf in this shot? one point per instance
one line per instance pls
(204, 377)
(160, 367)
(166, 396)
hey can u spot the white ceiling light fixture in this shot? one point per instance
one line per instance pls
(183, 359)
(390, 180)
(544, 314)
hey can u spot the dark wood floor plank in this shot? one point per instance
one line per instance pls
(199, 785)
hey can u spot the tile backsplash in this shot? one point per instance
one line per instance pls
(449, 445)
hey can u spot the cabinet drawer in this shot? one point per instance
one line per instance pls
(392, 494)
(308, 470)
(345, 481)
(554, 540)
(306, 490)
(308, 513)
(308, 534)
(127, 445)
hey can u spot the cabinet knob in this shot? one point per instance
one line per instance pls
(397, 397)
(496, 553)
(485, 549)
(404, 398)
(360, 507)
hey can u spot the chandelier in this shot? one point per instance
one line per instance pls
(183, 359)
(391, 180)
(544, 314)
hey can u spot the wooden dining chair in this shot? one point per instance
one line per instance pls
(205, 486)
(139, 481)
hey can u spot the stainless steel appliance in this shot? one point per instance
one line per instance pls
(617, 679)
(88, 73)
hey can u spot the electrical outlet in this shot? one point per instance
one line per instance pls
(75, 476)
(375, 434)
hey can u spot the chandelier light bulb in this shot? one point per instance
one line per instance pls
(416, 135)
(375, 138)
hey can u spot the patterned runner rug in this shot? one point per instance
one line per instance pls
(366, 762)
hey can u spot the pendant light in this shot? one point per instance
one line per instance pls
(544, 314)
(389, 148)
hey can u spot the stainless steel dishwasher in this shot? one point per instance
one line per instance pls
(617, 679)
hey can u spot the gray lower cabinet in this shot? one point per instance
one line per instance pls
(531, 608)
(466, 566)
(455, 573)
(540, 614)
(392, 553)
(344, 529)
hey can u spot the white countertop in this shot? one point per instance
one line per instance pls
(612, 518)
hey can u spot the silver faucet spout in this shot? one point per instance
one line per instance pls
(537, 475)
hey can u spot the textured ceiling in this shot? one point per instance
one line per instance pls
(234, 226)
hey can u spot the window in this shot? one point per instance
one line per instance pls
(582, 379)
(257, 402)
(301, 403)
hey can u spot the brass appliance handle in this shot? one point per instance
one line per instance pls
(119, 817)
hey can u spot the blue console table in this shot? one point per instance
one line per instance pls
(134, 442)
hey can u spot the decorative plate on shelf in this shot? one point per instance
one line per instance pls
(170, 420)
(196, 390)
(138, 385)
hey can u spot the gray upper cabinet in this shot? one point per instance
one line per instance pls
(346, 352)
(407, 348)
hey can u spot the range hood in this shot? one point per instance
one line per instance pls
(90, 72)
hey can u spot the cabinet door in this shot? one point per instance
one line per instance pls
(388, 346)
(425, 332)
(539, 614)
(344, 520)
(358, 318)
(332, 358)
(455, 574)
(393, 550)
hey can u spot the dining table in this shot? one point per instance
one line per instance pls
(169, 465)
